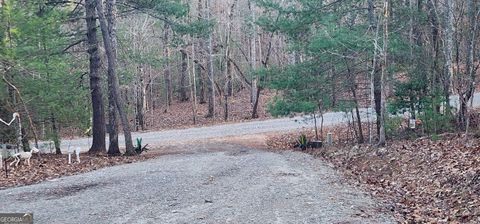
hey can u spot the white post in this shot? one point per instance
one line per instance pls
(1, 161)
(69, 158)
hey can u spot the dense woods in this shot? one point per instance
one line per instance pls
(397, 78)
(97, 67)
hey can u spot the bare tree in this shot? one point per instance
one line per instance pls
(166, 71)
(467, 93)
(384, 65)
(183, 76)
(255, 94)
(228, 66)
(211, 78)
(448, 50)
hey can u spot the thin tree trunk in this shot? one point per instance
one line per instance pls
(375, 75)
(167, 75)
(211, 78)
(108, 34)
(383, 111)
(98, 117)
(113, 147)
(140, 102)
(201, 44)
(253, 62)
(193, 86)
(183, 76)
(448, 35)
(56, 137)
(361, 138)
(201, 83)
(228, 66)
(255, 105)
(465, 96)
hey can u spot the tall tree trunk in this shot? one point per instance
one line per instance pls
(376, 92)
(255, 91)
(113, 147)
(56, 137)
(183, 76)
(448, 50)
(470, 70)
(255, 103)
(361, 138)
(201, 83)
(211, 78)
(436, 77)
(200, 53)
(98, 116)
(228, 65)
(108, 33)
(383, 110)
(166, 71)
(193, 86)
(140, 124)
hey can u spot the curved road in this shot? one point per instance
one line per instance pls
(168, 137)
(212, 183)
(216, 182)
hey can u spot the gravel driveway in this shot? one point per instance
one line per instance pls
(211, 183)
(159, 138)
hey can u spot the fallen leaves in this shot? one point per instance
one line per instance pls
(426, 181)
(49, 166)
(180, 114)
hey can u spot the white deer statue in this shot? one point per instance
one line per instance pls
(24, 155)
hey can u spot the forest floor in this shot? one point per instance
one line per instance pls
(426, 180)
(50, 166)
(180, 114)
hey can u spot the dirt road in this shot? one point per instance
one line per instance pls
(204, 183)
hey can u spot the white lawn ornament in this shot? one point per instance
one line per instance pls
(70, 151)
(77, 153)
(23, 155)
(15, 115)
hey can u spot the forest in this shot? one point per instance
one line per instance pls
(403, 73)
(96, 67)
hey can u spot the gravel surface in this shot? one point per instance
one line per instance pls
(208, 183)
(161, 138)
